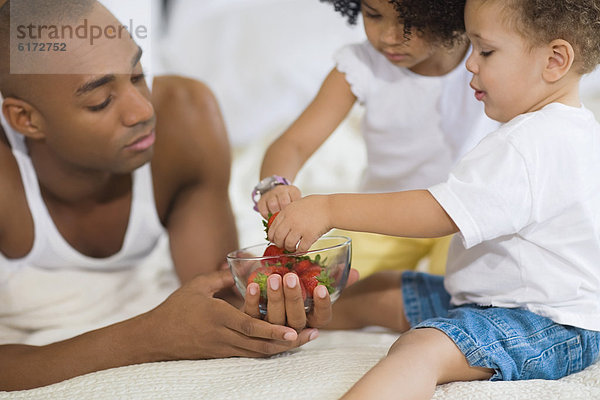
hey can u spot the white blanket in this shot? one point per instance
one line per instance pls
(321, 370)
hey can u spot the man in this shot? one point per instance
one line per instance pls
(76, 184)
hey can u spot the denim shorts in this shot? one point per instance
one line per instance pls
(517, 344)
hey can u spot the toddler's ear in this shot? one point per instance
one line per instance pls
(22, 117)
(560, 60)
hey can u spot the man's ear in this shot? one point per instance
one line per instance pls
(560, 60)
(23, 117)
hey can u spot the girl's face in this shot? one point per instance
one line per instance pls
(507, 72)
(386, 34)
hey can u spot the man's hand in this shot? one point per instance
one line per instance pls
(285, 304)
(192, 324)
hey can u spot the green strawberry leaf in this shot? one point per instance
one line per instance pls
(326, 280)
(261, 279)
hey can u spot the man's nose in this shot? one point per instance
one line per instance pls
(137, 108)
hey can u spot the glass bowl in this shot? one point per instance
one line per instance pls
(327, 262)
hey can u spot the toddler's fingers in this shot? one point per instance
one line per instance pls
(278, 233)
(291, 241)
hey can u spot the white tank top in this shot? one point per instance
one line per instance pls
(51, 251)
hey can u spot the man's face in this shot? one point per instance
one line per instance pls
(99, 120)
(507, 72)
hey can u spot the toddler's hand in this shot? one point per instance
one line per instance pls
(301, 223)
(277, 199)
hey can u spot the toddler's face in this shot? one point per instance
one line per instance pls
(386, 34)
(507, 72)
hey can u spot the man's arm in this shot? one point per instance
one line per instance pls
(190, 324)
(191, 166)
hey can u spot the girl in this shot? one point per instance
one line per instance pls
(419, 116)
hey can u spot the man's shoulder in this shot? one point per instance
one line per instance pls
(191, 146)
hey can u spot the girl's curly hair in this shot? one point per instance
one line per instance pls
(439, 21)
(576, 21)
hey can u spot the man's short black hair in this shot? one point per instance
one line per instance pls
(51, 12)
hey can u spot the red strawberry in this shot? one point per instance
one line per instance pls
(260, 275)
(268, 223)
(302, 266)
(281, 270)
(271, 218)
(273, 250)
(314, 276)
(309, 280)
(303, 290)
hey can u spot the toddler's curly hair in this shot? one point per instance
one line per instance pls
(439, 21)
(576, 21)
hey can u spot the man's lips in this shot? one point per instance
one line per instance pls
(143, 142)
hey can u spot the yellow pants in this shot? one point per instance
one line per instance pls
(372, 252)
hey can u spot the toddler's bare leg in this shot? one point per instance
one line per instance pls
(417, 362)
(375, 300)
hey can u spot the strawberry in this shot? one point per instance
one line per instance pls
(260, 275)
(303, 289)
(271, 219)
(314, 276)
(281, 270)
(267, 224)
(302, 266)
(273, 250)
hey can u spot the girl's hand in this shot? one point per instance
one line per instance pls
(277, 199)
(301, 223)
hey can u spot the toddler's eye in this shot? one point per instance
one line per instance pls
(486, 53)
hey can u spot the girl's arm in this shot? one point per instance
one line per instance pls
(289, 152)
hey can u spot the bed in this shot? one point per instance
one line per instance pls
(322, 369)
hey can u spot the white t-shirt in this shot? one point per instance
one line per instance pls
(527, 203)
(415, 127)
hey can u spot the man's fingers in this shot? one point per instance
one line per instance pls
(321, 312)
(353, 277)
(257, 328)
(294, 302)
(214, 281)
(248, 347)
(252, 300)
(275, 301)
